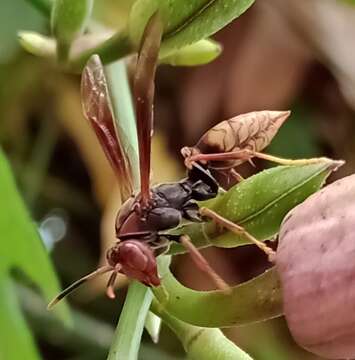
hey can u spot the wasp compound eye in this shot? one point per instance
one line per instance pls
(113, 255)
(138, 261)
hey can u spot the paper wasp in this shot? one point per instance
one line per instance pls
(144, 219)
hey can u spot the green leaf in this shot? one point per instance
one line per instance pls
(199, 53)
(256, 300)
(153, 322)
(259, 203)
(186, 21)
(21, 249)
(201, 343)
(153, 326)
(68, 20)
(44, 6)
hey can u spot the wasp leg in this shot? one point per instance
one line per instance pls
(236, 175)
(202, 263)
(191, 211)
(220, 220)
(232, 155)
(198, 259)
(110, 292)
(247, 155)
(284, 161)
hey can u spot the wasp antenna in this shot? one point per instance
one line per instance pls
(76, 284)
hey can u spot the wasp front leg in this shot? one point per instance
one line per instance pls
(247, 155)
(227, 224)
(282, 161)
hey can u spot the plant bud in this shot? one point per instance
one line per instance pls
(316, 264)
(199, 53)
(37, 44)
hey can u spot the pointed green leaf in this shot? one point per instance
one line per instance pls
(153, 325)
(259, 203)
(186, 21)
(44, 6)
(255, 300)
(21, 249)
(202, 343)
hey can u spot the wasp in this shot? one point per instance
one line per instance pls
(144, 219)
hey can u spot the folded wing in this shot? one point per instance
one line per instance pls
(144, 98)
(98, 110)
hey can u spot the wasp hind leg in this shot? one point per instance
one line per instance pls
(221, 221)
(203, 264)
(199, 260)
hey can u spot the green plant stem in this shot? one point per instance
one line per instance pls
(126, 341)
(63, 50)
(201, 343)
(86, 332)
(114, 48)
(44, 6)
(118, 84)
(36, 169)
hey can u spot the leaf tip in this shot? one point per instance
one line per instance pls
(336, 164)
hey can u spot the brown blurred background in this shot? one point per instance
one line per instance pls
(294, 54)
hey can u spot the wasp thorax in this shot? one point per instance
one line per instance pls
(136, 260)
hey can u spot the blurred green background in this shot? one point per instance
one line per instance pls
(294, 54)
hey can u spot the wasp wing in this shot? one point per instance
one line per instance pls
(98, 110)
(144, 97)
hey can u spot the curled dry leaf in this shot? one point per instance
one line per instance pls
(315, 261)
(253, 131)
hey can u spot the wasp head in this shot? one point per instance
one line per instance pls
(136, 260)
